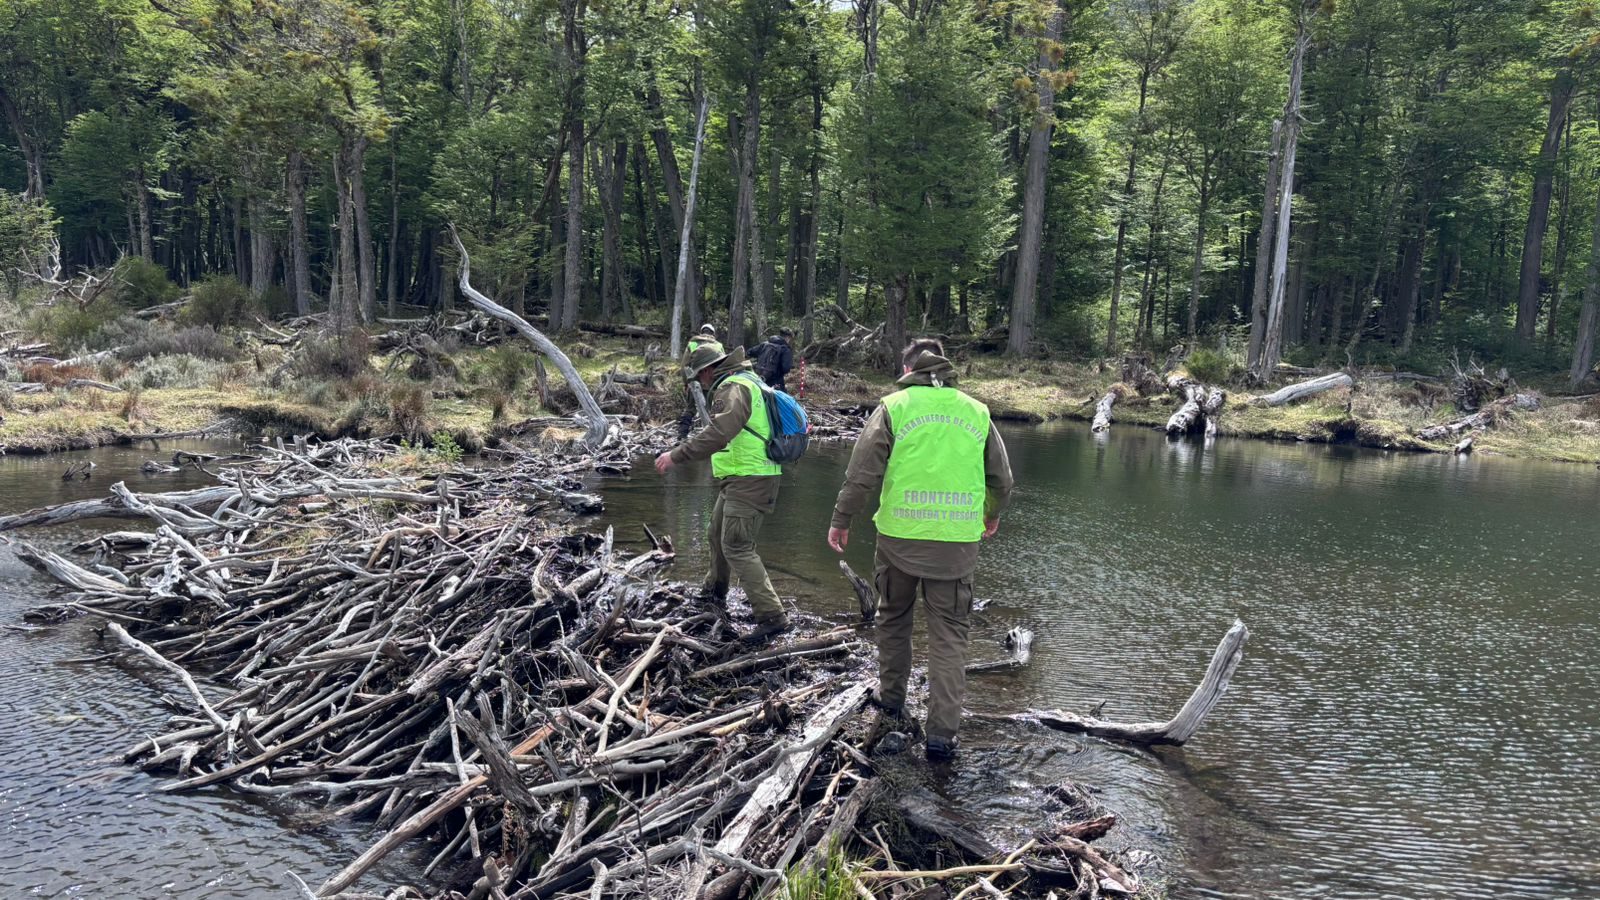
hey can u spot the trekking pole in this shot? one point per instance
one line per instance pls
(802, 392)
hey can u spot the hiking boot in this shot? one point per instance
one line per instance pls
(876, 699)
(716, 592)
(766, 630)
(941, 749)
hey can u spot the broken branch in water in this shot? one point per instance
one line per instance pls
(1181, 727)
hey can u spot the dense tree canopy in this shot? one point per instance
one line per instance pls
(1092, 174)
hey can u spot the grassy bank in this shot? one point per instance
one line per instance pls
(474, 394)
(1383, 415)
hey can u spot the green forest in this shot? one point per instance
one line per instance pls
(1091, 177)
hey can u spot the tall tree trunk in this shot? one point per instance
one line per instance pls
(672, 180)
(649, 263)
(807, 282)
(608, 166)
(566, 319)
(650, 211)
(1030, 236)
(1123, 208)
(261, 254)
(1410, 282)
(894, 327)
(1561, 91)
(1583, 345)
(32, 151)
(391, 266)
(685, 234)
(345, 304)
(745, 227)
(1264, 243)
(1199, 256)
(365, 252)
(299, 248)
(240, 256)
(769, 264)
(1272, 340)
(1564, 198)
(141, 193)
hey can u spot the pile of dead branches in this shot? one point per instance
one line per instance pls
(427, 646)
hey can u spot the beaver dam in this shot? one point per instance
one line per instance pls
(400, 638)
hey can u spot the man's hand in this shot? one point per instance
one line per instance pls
(990, 526)
(838, 539)
(664, 462)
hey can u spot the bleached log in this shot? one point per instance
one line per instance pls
(1194, 395)
(1181, 727)
(1464, 445)
(1303, 389)
(1483, 418)
(598, 426)
(777, 787)
(1102, 410)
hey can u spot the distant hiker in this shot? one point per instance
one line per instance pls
(775, 359)
(706, 337)
(747, 481)
(941, 476)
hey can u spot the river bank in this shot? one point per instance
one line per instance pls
(425, 391)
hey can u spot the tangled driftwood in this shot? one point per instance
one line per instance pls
(429, 648)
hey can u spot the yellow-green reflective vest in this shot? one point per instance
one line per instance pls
(933, 488)
(746, 454)
(697, 343)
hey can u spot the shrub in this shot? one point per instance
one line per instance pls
(332, 356)
(408, 410)
(141, 283)
(130, 405)
(218, 301)
(1210, 367)
(505, 367)
(70, 325)
(141, 340)
(55, 376)
(445, 447)
(176, 371)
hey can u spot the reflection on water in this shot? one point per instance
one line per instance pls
(1416, 713)
(74, 821)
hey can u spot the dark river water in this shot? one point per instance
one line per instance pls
(1417, 714)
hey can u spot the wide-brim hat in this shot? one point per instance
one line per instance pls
(701, 359)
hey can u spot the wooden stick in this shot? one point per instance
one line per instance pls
(418, 822)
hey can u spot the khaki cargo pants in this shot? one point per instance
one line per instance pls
(735, 525)
(949, 607)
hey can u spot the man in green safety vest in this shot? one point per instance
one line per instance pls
(707, 337)
(941, 476)
(747, 481)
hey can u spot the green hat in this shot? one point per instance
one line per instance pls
(701, 359)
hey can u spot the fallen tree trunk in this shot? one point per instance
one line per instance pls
(1483, 418)
(1200, 408)
(1303, 389)
(599, 428)
(1181, 727)
(1102, 410)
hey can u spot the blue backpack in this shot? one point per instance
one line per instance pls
(789, 431)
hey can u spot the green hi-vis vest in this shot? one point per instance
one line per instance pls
(697, 343)
(933, 488)
(746, 454)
